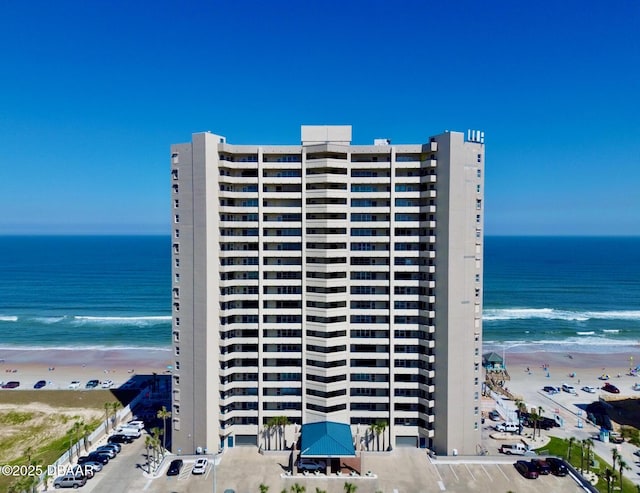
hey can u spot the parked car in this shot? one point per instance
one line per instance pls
(130, 432)
(69, 482)
(92, 384)
(13, 384)
(542, 466)
(551, 390)
(108, 452)
(311, 465)
(589, 389)
(570, 389)
(75, 384)
(96, 457)
(558, 467)
(107, 384)
(116, 446)
(174, 467)
(120, 439)
(109, 449)
(39, 384)
(494, 415)
(527, 469)
(616, 437)
(93, 465)
(136, 423)
(609, 387)
(507, 427)
(200, 466)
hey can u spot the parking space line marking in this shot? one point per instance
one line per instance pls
(437, 472)
(454, 472)
(146, 486)
(486, 472)
(441, 485)
(500, 469)
(470, 473)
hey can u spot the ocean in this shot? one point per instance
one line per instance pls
(107, 292)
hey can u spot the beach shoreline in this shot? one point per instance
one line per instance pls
(59, 367)
(538, 368)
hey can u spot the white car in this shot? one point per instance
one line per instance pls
(200, 466)
(107, 384)
(74, 385)
(136, 423)
(589, 389)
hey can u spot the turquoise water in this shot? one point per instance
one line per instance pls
(114, 292)
(98, 292)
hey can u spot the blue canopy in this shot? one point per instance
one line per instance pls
(326, 439)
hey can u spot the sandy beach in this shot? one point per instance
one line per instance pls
(58, 367)
(527, 371)
(534, 370)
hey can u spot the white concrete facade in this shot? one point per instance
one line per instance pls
(328, 281)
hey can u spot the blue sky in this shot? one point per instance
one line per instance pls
(93, 93)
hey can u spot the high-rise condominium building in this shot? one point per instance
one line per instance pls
(328, 282)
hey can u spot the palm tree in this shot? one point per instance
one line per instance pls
(107, 406)
(534, 418)
(75, 430)
(521, 408)
(269, 427)
(615, 455)
(540, 411)
(281, 422)
(296, 488)
(86, 431)
(571, 441)
(622, 465)
(115, 405)
(163, 414)
(589, 444)
(582, 446)
(156, 444)
(609, 477)
(350, 488)
(79, 426)
(318, 490)
(263, 488)
(383, 427)
(155, 433)
(148, 441)
(378, 428)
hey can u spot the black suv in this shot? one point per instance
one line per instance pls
(120, 439)
(95, 457)
(542, 466)
(174, 467)
(557, 466)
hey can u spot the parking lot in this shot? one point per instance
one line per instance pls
(243, 469)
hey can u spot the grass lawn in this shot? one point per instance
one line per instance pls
(560, 448)
(37, 426)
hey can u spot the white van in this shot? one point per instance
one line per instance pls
(568, 388)
(507, 427)
(128, 431)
